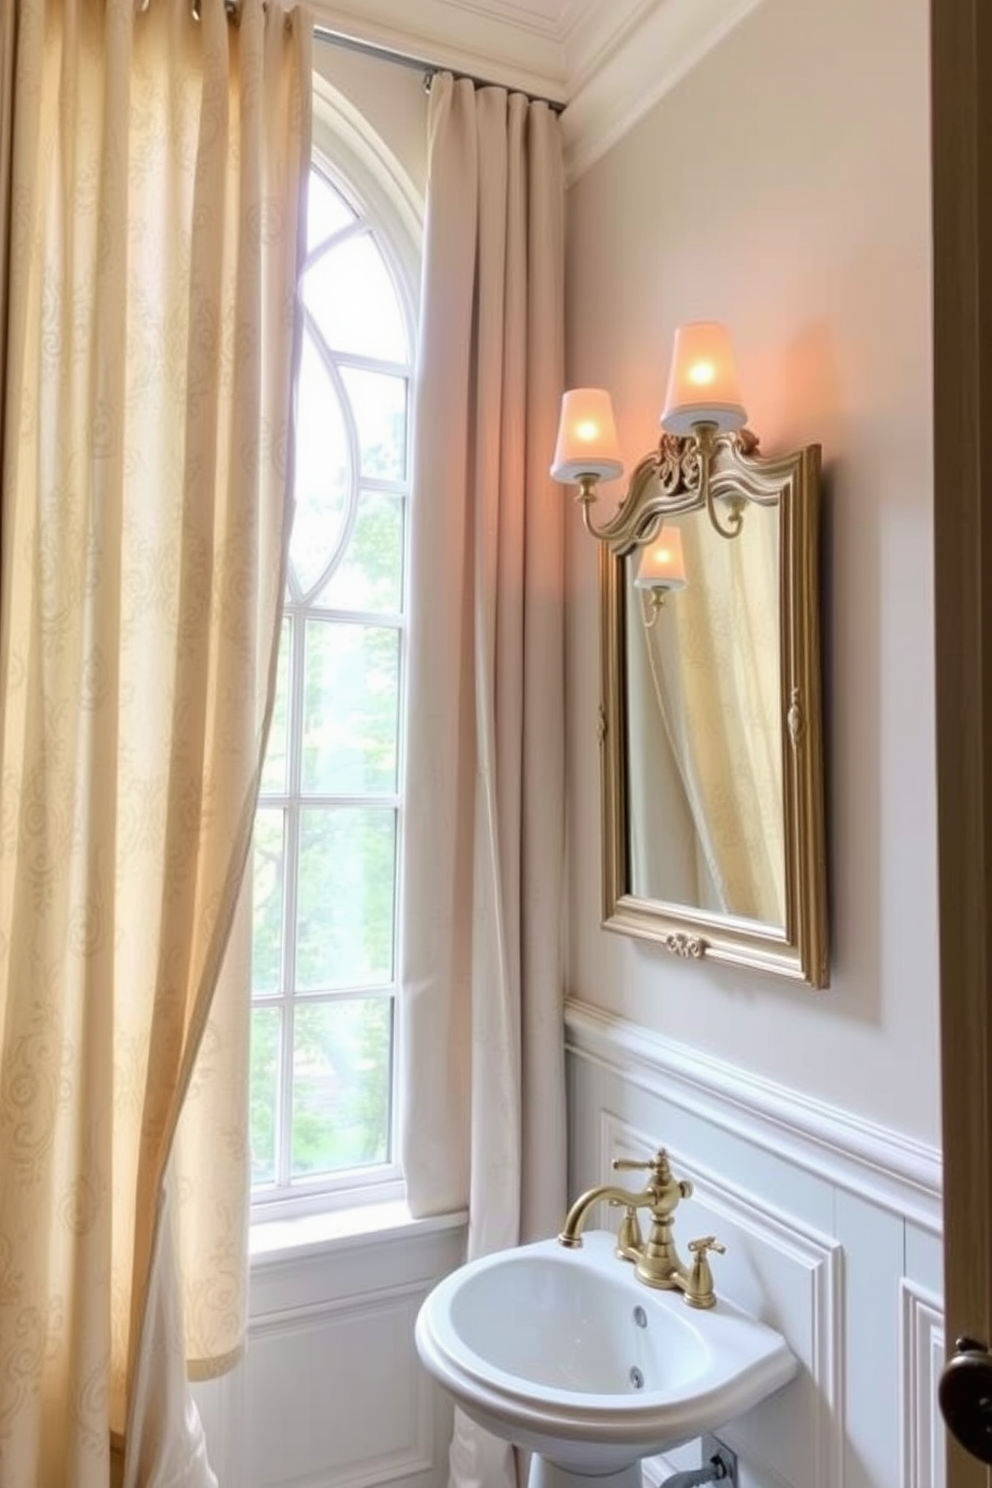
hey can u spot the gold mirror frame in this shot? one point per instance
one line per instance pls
(667, 483)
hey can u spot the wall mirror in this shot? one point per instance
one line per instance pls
(711, 722)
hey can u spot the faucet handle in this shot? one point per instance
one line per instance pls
(708, 1242)
(630, 1241)
(698, 1289)
(657, 1166)
(661, 1175)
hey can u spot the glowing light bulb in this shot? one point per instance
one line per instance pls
(702, 373)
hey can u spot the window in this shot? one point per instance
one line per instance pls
(330, 814)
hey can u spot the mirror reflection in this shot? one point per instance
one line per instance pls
(703, 685)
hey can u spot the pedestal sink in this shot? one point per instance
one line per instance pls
(566, 1353)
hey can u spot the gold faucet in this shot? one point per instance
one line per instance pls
(656, 1261)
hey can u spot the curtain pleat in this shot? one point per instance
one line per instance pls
(483, 1086)
(157, 184)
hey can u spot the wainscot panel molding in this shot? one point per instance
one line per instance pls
(885, 1167)
(342, 1381)
(790, 1277)
(331, 1393)
(923, 1445)
(832, 1229)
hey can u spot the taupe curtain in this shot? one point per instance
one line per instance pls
(483, 1118)
(156, 189)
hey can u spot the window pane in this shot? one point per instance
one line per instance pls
(274, 770)
(378, 401)
(344, 932)
(370, 575)
(265, 1026)
(323, 471)
(327, 211)
(351, 709)
(350, 293)
(267, 900)
(324, 869)
(341, 1085)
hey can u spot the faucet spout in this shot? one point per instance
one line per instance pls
(656, 1260)
(571, 1233)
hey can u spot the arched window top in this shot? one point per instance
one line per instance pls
(352, 407)
(358, 162)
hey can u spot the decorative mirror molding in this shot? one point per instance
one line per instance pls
(760, 895)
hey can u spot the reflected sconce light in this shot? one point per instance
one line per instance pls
(661, 569)
(703, 400)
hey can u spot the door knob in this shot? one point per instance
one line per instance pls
(965, 1396)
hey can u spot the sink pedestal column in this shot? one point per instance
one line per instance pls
(545, 1474)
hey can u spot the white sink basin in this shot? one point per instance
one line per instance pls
(567, 1353)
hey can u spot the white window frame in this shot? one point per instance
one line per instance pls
(361, 167)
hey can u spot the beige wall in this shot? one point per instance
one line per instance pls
(784, 187)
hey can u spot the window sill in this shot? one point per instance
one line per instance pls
(272, 1241)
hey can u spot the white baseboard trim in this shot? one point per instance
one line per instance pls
(893, 1171)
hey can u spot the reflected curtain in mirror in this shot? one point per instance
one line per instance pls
(703, 684)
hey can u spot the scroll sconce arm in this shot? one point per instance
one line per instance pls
(652, 606)
(644, 474)
(705, 437)
(586, 496)
(705, 434)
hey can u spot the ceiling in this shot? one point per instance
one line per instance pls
(607, 60)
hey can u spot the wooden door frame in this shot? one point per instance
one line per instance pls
(961, 81)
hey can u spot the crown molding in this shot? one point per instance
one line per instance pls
(608, 64)
(503, 43)
(622, 71)
(592, 34)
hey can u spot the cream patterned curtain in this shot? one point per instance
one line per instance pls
(714, 657)
(483, 1121)
(157, 179)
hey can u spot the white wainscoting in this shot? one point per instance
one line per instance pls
(833, 1235)
(331, 1393)
(923, 1353)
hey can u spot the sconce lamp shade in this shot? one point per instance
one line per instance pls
(587, 437)
(662, 565)
(702, 383)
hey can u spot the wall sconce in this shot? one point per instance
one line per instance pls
(702, 401)
(588, 450)
(661, 570)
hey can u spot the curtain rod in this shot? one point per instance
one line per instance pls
(429, 69)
